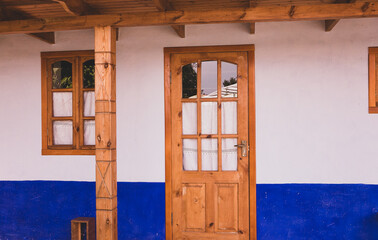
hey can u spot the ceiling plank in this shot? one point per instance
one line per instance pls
(232, 15)
(329, 24)
(48, 37)
(164, 5)
(161, 5)
(75, 7)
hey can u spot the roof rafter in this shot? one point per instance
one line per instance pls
(252, 25)
(231, 15)
(329, 24)
(7, 14)
(164, 5)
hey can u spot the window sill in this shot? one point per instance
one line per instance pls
(68, 152)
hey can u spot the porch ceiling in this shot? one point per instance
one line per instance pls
(36, 16)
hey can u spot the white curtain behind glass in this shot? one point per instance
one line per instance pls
(89, 104)
(62, 104)
(210, 146)
(62, 132)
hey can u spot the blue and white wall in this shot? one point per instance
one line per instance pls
(317, 146)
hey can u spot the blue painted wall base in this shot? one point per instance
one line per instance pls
(43, 210)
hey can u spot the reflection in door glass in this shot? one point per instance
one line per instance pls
(189, 81)
(209, 154)
(189, 154)
(229, 73)
(229, 154)
(61, 74)
(209, 78)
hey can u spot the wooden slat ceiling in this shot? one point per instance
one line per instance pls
(49, 8)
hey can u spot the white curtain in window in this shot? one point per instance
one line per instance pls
(189, 155)
(209, 153)
(229, 154)
(62, 132)
(89, 104)
(209, 118)
(89, 132)
(62, 104)
(209, 149)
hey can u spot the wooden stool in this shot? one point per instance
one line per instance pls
(83, 228)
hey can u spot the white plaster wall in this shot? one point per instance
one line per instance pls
(311, 102)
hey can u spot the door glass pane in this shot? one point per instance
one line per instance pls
(89, 132)
(62, 131)
(229, 73)
(209, 153)
(62, 104)
(89, 74)
(229, 118)
(189, 118)
(189, 81)
(89, 104)
(61, 75)
(229, 154)
(189, 154)
(209, 118)
(209, 78)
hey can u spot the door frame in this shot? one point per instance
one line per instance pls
(168, 51)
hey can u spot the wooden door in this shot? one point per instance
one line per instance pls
(210, 152)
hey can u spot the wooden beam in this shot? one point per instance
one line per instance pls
(233, 15)
(74, 7)
(164, 5)
(252, 25)
(331, 23)
(48, 37)
(106, 139)
(11, 14)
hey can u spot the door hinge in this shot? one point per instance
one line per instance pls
(170, 78)
(172, 219)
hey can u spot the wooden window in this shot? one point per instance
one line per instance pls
(68, 103)
(373, 80)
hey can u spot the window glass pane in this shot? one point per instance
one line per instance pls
(62, 132)
(229, 73)
(209, 116)
(209, 79)
(89, 104)
(89, 74)
(61, 75)
(89, 132)
(189, 81)
(209, 153)
(229, 154)
(189, 154)
(189, 118)
(229, 118)
(62, 104)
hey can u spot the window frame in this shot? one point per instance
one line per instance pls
(77, 58)
(373, 80)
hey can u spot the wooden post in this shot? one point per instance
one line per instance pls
(106, 164)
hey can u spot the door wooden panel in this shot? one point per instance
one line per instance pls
(193, 199)
(209, 201)
(226, 211)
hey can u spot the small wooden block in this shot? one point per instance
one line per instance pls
(76, 228)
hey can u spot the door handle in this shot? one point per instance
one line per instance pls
(244, 148)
